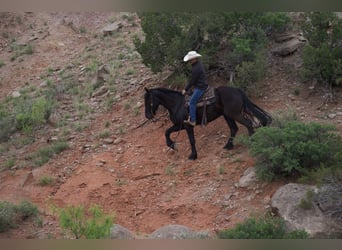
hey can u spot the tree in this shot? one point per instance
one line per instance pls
(225, 39)
(323, 56)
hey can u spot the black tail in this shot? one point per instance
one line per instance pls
(252, 109)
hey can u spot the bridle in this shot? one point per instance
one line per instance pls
(151, 106)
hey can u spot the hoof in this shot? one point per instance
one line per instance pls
(192, 157)
(228, 147)
(173, 146)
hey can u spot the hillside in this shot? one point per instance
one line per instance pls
(98, 80)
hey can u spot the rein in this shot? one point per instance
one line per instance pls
(156, 119)
(152, 120)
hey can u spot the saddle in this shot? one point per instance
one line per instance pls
(207, 98)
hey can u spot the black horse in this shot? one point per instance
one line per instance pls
(230, 102)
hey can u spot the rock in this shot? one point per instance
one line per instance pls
(16, 94)
(103, 90)
(286, 202)
(248, 179)
(108, 141)
(284, 37)
(117, 141)
(102, 73)
(111, 28)
(332, 116)
(119, 232)
(43, 84)
(288, 47)
(173, 232)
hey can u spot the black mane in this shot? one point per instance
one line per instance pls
(167, 91)
(173, 101)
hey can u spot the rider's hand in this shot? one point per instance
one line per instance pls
(183, 92)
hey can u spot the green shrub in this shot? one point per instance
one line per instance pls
(75, 220)
(261, 228)
(46, 181)
(20, 50)
(44, 154)
(322, 56)
(7, 216)
(32, 113)
(26, 209)
(11, 214)
(281, 118)
(329, 195)
(294, 150)
(323, 63)
(9, 163)
(250, 72)
(59, 147)
(275, 22)
(6, 124)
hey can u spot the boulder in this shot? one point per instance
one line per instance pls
(119, 232)
(289, 44)
(111, 28)
(248, 179)
(286, 202)
(173, 232)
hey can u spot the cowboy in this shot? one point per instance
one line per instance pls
(198, 82)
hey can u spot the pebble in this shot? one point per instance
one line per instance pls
(332, 116)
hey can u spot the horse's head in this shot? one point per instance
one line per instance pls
(151, 104)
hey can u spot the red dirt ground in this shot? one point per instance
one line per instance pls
(146, 185)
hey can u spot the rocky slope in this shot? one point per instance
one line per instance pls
(99, 82)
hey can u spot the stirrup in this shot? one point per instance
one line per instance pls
(190, 122)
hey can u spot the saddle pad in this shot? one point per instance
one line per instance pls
(207, 98)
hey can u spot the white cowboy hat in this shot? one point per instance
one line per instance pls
(191, 55)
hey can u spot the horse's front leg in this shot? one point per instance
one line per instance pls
(171, 144)
(191, 136)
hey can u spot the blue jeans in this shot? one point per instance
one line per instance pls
(197, 94)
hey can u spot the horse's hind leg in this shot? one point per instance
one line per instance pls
(246, 122)
(233, 130)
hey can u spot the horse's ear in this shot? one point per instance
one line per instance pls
(147, 90)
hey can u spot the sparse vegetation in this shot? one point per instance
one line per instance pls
(104, 134)
(31, 114)
(92, 225)
(44, 154)
(307, 202)
(20, 50)
(170, 169)
(46, 180)
(11, 215)
(68, 89)
(9, 163)
(263, 227)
